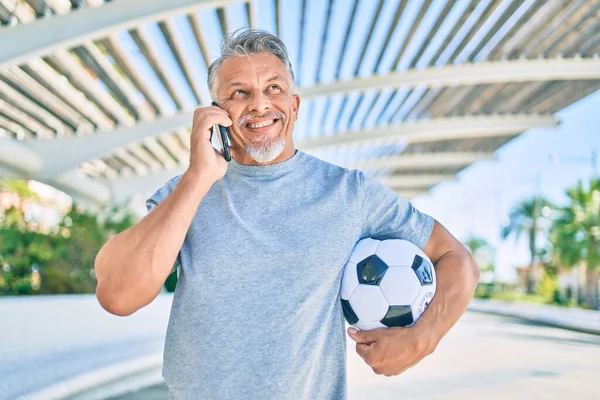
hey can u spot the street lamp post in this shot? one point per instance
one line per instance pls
(592, 160)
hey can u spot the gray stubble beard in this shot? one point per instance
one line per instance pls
(265, 152)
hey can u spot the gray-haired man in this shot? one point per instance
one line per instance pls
(260, 244)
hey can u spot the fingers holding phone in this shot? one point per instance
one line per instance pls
(223, 134)
(204, 158)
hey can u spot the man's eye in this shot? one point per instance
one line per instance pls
(240, 91)
(274, 87)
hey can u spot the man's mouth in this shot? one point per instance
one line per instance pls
(262, 125)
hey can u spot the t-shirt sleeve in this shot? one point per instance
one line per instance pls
(388, 215)
(162, 193)
(158, 197)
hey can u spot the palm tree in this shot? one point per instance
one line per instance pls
(482, 251)
(575, 235)
(530, 217)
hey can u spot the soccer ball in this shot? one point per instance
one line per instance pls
(386, 283)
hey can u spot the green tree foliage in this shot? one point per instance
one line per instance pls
(575, 235)
(61, 261)
(529, 217)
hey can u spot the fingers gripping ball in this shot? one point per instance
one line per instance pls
(386, 283)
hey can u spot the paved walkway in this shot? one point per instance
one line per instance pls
(570, 318)
(45, 340)
(484, 357)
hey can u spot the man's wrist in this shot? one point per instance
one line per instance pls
(198, 175)
(198, 182)
(428, 340)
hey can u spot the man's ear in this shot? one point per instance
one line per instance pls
(295, 105)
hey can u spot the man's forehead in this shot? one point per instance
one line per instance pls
(263, 66)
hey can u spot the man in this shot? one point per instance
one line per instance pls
(260, 244)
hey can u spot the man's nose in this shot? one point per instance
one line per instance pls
(260, 103)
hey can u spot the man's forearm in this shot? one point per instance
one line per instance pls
(132, 267)
(457, 275)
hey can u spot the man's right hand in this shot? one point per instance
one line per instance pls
(204, 158)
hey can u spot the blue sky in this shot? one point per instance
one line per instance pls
(481, 196)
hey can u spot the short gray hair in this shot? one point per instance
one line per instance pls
(243, 42)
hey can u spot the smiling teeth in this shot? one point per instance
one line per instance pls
(261, 124)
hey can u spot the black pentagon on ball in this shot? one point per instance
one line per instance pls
(371, 270)
(423, 270)
(398, 316)
(349, 313)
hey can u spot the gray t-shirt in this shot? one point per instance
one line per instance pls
(256, 313)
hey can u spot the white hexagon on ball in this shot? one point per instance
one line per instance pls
(368, 303)
(369, 325)
(400, 286)
(349, 281)
(398, 252)
(363, 249)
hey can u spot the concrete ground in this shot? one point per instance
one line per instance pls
(47, 339)
(483, 357)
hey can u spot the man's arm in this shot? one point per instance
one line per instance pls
(132, 267)
(457, 276)
(390, 351)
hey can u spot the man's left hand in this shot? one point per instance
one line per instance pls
(391, 351)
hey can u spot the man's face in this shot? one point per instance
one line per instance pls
(256, 91)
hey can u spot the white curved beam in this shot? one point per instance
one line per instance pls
(9, 173)
(490, 72)
(440, 129)
(39, 160)
(413, 181)
(26, 41)
(123, 189)
(421, 161)
(18, 157)
(82, 187)
(76, 150)
(410, 194)
(19, 161)
(63, 154)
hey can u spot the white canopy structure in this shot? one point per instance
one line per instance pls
(96, 97)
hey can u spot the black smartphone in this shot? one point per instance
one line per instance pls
(224, 139)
